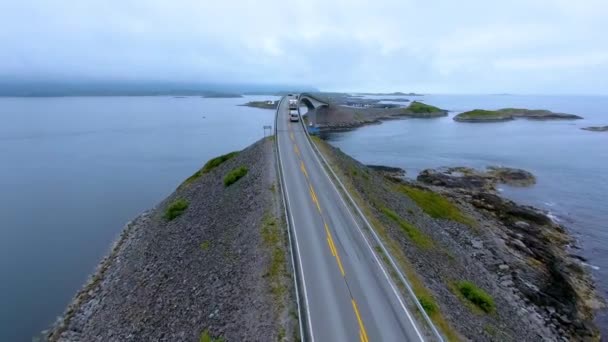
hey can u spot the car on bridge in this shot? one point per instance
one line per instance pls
(294, 116)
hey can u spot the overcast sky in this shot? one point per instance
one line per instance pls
(515, 46)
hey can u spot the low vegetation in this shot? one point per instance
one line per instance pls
(435, 205)
(176, 208)
(272, 239)
(210, 165)
(428, 304)
(423, 108)
(205, 337)
(205, 245)
(483, 115)
(477, 296)
(417, 237)
(235, 175)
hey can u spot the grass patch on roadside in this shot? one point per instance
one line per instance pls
(428, 303)
(176, 208)
(235, 175)
(277, 269)
(435, 205)
(206, 337)
(476, 296)
(418, 238)
(210, 165)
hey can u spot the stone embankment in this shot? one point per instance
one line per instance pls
(210, 261)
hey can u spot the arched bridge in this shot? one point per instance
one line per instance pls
(313, 104)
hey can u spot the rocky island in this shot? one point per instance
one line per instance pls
(596, 128)
(269, 104)
(507, 114)
(471, 179)
(337, 117)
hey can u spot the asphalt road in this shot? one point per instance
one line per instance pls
(347, 293)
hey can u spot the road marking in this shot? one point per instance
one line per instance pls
(362, 332)
(291, 136)
(296, 150)
(303, 168)
(334, 250)
(385, 273)
(295, 234)
(314, 198)
(330, 247)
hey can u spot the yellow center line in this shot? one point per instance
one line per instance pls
(315, 199)
(330, 242)
(334, 250)
(331, 248)
(291, 136)
(362, 332)
(303, 168)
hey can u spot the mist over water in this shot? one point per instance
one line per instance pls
(571, 165)
(75, 170)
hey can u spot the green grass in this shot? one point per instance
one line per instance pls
(477, 296)
(176, 208)
(484, 115)
(277, 269)
(428, 304)
(435, 205)
(417, 237)
(235, 175)
(205, 337)
(422, 108)
(205, 245)
(210, 165)
(480, 113)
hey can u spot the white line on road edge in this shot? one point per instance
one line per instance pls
(378, 241)
(291, 225)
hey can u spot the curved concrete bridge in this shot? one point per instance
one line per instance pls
(312, 103)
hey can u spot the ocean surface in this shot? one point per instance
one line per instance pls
(74, 170)
(571, 165)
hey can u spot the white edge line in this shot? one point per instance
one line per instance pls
(291, 224)
(377, 238)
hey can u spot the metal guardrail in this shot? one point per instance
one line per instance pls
(296, 267)
(377, 239)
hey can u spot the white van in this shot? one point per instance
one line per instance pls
(294, 116)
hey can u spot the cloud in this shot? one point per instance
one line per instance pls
(518, 46)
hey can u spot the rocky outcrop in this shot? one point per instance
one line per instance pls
(507, 114)
(389, 171)
(207, 270)
(262, 104)
(339, 118)
(471, 179)
(596, 128)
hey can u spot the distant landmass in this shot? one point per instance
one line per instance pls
(107, 88)
(396, 93)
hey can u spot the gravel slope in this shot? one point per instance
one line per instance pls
(207, 270)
